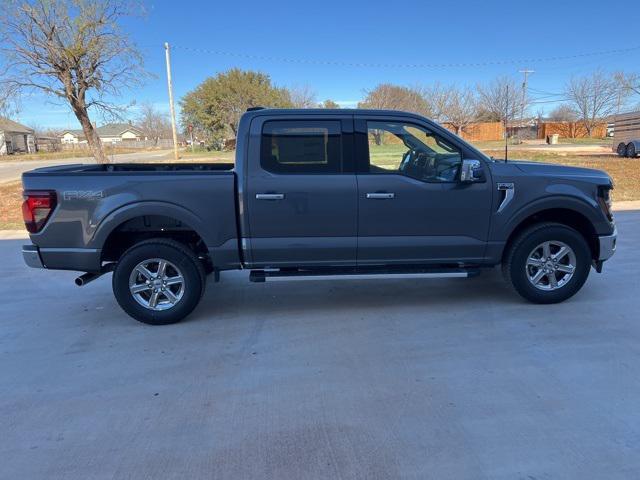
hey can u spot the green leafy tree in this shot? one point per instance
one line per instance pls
(216, 105)
(330, 104)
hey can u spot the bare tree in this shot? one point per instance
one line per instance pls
(593, 98)
(436, 96)
(303, 96)
(459, 107)
(9, 101)
(563, 113)
(628, 81)
(499, 100)
(153, 123)
(394, 97)
(73, 50)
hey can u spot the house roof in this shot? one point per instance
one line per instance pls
(76, 133)
(108, 130)
(11, 126)
(115, 129)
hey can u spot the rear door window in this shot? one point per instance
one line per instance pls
(302, 147)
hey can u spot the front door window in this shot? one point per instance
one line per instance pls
(412, 151)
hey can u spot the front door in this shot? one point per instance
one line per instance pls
(301, 192)
(412, 207)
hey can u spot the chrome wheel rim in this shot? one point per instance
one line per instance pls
(156, 284)
(551, 265)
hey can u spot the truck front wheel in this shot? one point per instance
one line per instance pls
(547, 263)
(158, 281)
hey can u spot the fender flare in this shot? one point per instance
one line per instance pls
(139, 209)
(579, 205)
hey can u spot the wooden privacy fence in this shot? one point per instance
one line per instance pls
(570, 130)
(480, 131)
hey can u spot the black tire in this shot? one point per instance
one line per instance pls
(631, 150)
(621, 150)
(182, 258)
(516, 271)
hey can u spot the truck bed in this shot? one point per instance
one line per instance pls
(95, 200)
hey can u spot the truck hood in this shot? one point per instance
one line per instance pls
(561, 171)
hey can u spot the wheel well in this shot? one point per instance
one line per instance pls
(146, 227)
(564, 216)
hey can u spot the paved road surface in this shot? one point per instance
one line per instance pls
(443, 379)
(11, 170)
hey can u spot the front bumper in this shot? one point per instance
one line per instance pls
(31, 256)
(607, 245)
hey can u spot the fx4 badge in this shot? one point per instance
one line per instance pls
(82, 194)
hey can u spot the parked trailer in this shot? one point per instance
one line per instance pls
(626, 134)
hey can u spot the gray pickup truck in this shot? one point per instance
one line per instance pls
(321, 194)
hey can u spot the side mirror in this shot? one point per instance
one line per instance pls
(471, 171)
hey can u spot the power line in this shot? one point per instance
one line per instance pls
(402, 65)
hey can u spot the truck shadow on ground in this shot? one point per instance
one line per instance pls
(234, 296)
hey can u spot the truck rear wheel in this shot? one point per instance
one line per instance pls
(631, 150)
(158, 281)
(547, 263)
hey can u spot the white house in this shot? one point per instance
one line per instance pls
(15, 137)
(109, 133)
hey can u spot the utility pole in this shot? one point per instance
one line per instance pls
(524, 90)
(506, 127)
(171, 107)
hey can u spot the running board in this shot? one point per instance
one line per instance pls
(286, 275)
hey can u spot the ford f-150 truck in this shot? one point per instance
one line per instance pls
(321, 194)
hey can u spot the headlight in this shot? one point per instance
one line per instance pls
(604, 199)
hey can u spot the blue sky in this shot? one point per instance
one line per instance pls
(401, 32)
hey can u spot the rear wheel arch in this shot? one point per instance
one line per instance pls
(112, 220)
(141, 228)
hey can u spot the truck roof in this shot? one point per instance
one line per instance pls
(327, 111)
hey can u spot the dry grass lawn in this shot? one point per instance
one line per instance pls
(10, 206)
(624, 171)
(64, 154)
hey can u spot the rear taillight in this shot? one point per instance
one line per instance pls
(37, 208)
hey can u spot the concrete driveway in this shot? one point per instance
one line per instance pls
(385, 379)
(12, 169)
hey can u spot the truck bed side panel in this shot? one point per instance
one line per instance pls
(91, 205)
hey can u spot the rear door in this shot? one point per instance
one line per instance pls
(412, 207)
(301, 191)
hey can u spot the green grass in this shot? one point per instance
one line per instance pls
(387, 156)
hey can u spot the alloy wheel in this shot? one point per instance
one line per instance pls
(551, 265)
(156, 284)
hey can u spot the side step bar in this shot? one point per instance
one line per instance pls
(360, 274)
